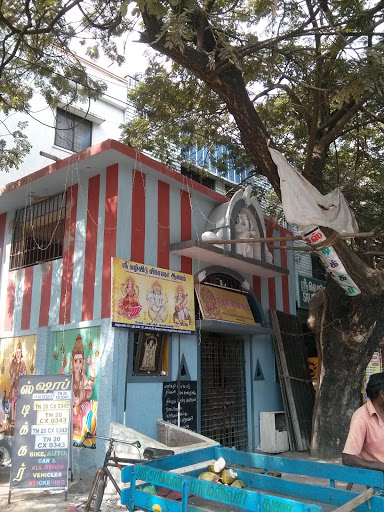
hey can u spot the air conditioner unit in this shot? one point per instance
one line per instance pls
(273, 432)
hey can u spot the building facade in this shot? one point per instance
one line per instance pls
(56, 133)
(62, 230)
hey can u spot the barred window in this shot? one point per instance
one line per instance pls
(72, 132)
(38, 232)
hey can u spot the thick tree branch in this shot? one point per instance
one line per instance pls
(230, 87)
(325, 141)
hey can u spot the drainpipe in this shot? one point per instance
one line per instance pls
(178, 382)
(252, 396)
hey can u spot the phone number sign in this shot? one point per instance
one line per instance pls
(41, 446)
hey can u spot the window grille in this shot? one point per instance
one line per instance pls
(223, 390)
(38, 232)
(224, 281)
(72, 132)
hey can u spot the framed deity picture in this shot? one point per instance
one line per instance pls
(148, 353)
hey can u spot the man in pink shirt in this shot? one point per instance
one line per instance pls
(365, 443)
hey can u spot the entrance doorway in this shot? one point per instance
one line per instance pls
(223, 390)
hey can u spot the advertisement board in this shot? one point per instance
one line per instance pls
(42, 443)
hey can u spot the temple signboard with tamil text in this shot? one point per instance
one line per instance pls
(151, 298)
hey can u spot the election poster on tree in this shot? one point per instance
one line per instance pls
(42, 442)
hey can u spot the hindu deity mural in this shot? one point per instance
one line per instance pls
(151, 298)
(182, 314)
(157, 303)
(17, 358)
(129, 305)
(77, 352)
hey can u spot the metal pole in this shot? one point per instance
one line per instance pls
(178, 384)
(281, 239)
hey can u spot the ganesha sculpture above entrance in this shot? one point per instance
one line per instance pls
(240, 219)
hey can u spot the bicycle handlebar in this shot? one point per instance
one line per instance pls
(136, 443)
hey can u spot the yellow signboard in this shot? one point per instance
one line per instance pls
(219, 304)
(151, 298)
(313, 363)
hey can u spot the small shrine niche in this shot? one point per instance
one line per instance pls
(240, 219)
(246, 227)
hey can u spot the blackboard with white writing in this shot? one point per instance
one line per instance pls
(41, 445)
(188, 403)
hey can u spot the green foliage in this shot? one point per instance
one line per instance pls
(35, 58)
(174, 110)
(12, 157)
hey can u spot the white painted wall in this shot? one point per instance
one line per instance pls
(109, 110)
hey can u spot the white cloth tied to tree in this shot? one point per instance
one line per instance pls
(306, 207)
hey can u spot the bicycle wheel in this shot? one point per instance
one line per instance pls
(100, 493)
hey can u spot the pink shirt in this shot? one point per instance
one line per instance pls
(366, 434)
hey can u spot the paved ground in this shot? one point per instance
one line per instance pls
(78, 491)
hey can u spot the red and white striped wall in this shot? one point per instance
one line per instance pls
(279, 292)
(132, 210)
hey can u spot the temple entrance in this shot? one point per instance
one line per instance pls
(223, 390)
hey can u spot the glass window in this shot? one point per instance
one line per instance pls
(72, 132)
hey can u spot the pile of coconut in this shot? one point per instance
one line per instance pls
(219, 473)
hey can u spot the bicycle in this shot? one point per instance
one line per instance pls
(99, 483)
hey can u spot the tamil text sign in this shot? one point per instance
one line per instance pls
(307, 287)
(42, 432)
(151, 298)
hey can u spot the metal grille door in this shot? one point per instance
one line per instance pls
(223, 393)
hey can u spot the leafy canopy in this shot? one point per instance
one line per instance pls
(35, 57)
(311, 71)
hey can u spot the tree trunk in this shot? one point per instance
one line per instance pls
(348, 331)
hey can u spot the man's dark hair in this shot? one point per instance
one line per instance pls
(375, 384)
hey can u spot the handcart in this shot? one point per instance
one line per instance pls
(264, 491)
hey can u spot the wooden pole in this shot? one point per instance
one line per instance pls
(292, 248)
(355, 502)
(253, 240)
(280, 239)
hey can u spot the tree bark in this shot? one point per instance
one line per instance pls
(348, 331)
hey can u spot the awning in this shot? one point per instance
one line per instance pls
(216, 256)
(232, 328)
